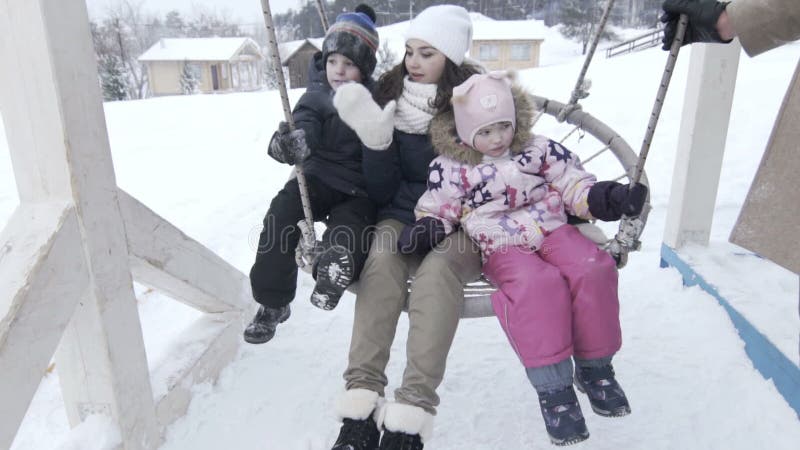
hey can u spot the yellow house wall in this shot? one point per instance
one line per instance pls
(165, 76)
(503, 61)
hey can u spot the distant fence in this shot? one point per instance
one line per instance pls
(642, 42)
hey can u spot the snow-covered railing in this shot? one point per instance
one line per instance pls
(642, 42)
(71, 250)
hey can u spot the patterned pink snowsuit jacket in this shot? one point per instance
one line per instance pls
(511, 202)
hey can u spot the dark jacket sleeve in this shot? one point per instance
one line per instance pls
(308, 115)
(382, 173)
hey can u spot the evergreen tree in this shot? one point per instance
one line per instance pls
(189, 79)
(113, 78)
(580, 18)
(175, 24)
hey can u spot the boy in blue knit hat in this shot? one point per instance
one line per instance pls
(330, 153)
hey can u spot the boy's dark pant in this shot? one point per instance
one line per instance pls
(273, 276)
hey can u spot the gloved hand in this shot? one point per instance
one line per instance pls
(373, 125)
(288, 146)
(421, 236)
(609, 200)
(703, 16)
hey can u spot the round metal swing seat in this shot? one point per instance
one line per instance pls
(477, 301)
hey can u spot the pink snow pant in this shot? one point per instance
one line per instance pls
(558, 301)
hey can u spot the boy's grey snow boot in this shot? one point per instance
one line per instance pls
(397, 440)
(358, 435)
(262, 328)
(334, 274)
(563, 418)
(605, 394)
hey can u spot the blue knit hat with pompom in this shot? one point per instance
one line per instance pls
(354, 36)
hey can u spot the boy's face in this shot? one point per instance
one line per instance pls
(340, 69)
(423, 62)
(494, 139)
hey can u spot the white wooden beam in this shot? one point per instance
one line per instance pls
(701, 142)
(55, 49)
(165, 258)
(219, 349)
(27, 99)
(42, 276)
(59, 145)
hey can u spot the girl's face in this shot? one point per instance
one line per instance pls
(340, 69)
(424, 63)
(494, 139)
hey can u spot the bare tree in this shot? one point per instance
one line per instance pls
(132, 31)
(207, 22)
(386, 59)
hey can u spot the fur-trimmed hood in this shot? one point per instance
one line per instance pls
(446, 142)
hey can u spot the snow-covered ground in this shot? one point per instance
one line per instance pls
(200, 162)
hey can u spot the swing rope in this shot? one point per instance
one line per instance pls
(308, 243)
(630, 228)
(581, 89)
(322, 17)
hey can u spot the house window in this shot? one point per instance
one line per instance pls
(488, 52)
(520, 52)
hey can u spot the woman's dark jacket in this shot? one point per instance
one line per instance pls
(397, 177)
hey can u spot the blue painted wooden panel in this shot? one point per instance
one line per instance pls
(767, 359)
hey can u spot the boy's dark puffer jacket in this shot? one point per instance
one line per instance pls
(335, 148)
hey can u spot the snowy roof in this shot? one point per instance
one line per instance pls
(484, 28)
(197, 49)
(287, 49)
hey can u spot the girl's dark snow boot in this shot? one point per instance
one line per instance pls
(605, 394)
(334, 274)
(358, 435)
(262, 328)
(396, 440)
(562, 417)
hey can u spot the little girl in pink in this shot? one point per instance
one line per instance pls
(556, 295)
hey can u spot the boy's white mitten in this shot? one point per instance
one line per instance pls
(373, 125)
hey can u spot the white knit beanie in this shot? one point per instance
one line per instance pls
(447, 28)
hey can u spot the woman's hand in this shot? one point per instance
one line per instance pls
(373, 125)
(421, 236)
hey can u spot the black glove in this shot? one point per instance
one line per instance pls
(703, 16)
(288, 146)
(609, 200)
(421, 236)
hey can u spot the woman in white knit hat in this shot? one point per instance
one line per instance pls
(393, 126)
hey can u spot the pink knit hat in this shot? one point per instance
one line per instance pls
(482, 100)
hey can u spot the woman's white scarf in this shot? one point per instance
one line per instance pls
(414, 113)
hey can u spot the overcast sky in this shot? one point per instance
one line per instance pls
(241, 10)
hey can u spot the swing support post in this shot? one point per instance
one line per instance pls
(309, 240)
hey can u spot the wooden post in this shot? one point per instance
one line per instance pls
(66, 253)
(35, 305)
(701, 143)
(57, 117)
